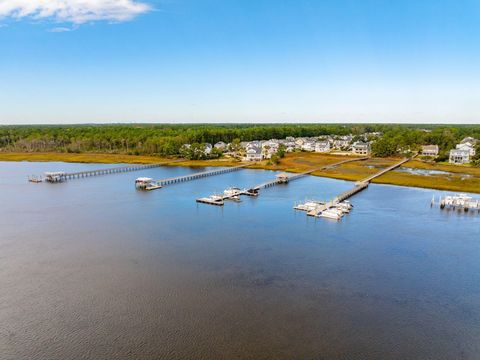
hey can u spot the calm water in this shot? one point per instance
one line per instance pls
(93, 269)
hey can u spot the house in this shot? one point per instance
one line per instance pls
(430, 150)
(208, 148)
(466, 146)
(342, 142)
(220, 145)
(322, 146)
(308, 145)
(458, 156)
(254, 153)
(470, 140)
(361, 148)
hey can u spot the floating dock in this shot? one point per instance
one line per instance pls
(282, 178)
(458, 202)
(60, 176)
(229, 194)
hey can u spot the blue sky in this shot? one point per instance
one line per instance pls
(240, 61)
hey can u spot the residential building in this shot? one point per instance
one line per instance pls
(220, 145)
(322, 146)
(361, 148)
(466, 146)
(430, 150)
(254, 153)
(308, 145)
(458, 156)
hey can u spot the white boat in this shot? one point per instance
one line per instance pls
(461, 201)
(331, 213)
(344, 207)
(232, 191)
(308, 205)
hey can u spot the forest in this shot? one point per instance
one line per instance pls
(167, 139)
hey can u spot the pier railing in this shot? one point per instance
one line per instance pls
(61, 176)
(198, 175)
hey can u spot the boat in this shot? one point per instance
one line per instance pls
(344, 207)
(460, 201)
(232, 191)
(35, 179)
(331, 213)
(212, 200)
(309, 205)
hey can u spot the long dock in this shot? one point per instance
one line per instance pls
(62, 176)
(285, 178)
(359, 186)
(198, 175)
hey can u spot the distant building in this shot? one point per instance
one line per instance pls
(254, 153)
(208, 148)
(467, 146)
(469, 140)
(430, 150)
(342, 142)
(220, 145)
(308, 145)
(361, 148)
(458, 156)
(322, 146)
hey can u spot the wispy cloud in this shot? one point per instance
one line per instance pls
(61, 29)
(74, 11)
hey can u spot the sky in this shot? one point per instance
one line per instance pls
(256, 61)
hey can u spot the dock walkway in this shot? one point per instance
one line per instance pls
(198, 175)
(286, 179)
(62, 176)
(359, 186)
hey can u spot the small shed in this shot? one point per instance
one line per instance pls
(282, 178)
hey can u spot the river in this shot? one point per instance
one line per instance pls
(93, 269)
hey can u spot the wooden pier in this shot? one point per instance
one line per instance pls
(285, 178)
(60, 176)
(198, 175)
(359, 186)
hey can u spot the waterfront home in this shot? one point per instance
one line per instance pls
(322, 146)
(220, 145)
(268, 151)
(469, 140)
(308, 145)
(459, 156)
(466, 146)
(208, 148)
(430, 150)
(254, 153)
(361, 148)
(342, 142)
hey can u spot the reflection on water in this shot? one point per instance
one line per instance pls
(93, 269)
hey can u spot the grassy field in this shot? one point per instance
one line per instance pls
(459, 178)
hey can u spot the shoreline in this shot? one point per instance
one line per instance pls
(451, 177)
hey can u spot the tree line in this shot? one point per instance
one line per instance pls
(166, 139)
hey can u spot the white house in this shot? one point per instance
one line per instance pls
(458, 156)
(322, 146)
(208, 148)
(466, 146)
(361, 148)
(220, 145)
(254, 153)
(308, 145)
(342, 142)
(430, 150)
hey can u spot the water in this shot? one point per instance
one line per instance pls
(425, 172)
(93, 269)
